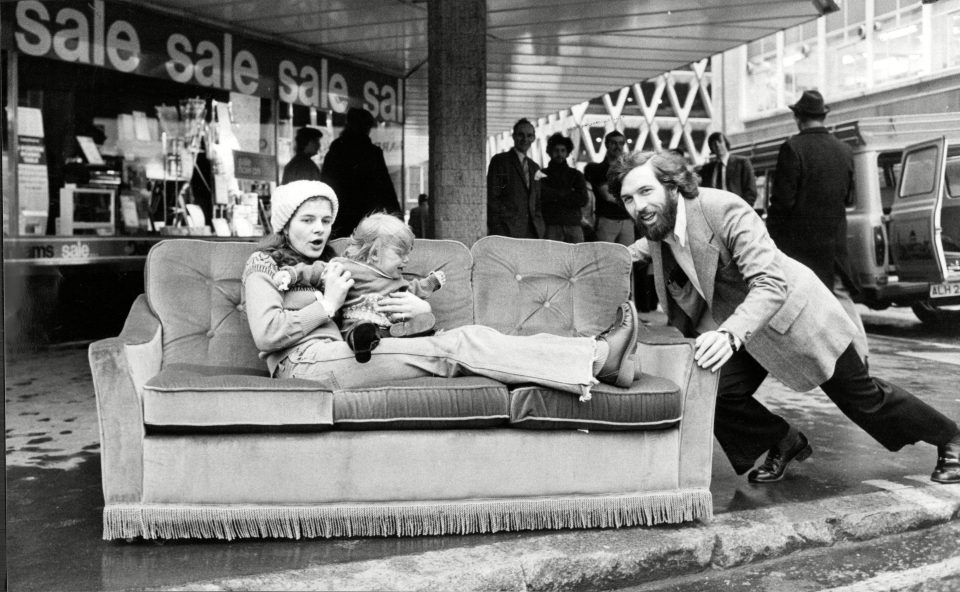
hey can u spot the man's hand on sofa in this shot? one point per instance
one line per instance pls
(714, 348)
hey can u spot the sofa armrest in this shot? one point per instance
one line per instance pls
(120, 366)
(671, 356)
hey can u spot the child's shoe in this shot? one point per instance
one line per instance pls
(421, 324)
(363, 339)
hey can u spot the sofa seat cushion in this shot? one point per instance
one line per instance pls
(186, 398)
(423, 403)
(651, 403)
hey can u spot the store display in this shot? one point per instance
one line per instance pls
(33, 188)
(87, 210)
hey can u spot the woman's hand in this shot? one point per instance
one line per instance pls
(401, 306)
(336, 283)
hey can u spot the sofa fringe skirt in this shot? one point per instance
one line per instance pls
(173, 521)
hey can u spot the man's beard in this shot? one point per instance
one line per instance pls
(663, 224)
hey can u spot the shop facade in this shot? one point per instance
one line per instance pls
(125, 125)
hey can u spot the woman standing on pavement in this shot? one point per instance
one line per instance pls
(306, 343)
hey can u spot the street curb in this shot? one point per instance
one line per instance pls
(604, 559)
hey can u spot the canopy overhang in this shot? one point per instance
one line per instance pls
(542, 56)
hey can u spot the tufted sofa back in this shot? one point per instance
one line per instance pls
(519, 287)
(193, 286)
(523, 287)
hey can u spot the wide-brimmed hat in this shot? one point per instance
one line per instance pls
(810, 103)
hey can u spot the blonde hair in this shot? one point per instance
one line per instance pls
(375, 233)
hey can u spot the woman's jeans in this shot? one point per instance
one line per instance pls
(561, 363)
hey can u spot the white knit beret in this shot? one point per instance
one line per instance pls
(287, 198)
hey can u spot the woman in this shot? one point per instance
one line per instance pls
(300, 341)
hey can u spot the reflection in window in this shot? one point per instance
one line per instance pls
(953, 177)
(761, 81)
(953, 40)
(897, 46)
(800, 68)
(888, 169)
(918, 174)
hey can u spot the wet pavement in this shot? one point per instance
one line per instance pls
(925, 560)
(54, 500)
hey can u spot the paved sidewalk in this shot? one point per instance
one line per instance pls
(600, 560)
(851, 489)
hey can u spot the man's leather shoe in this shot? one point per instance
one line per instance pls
(621, 365)
(775, 465)
(948, 462)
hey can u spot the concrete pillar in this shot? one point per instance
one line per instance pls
(457, 68)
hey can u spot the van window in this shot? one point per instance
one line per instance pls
(888, 170)
(953, 178)
(918, 175)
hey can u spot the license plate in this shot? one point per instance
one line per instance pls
(945, 289)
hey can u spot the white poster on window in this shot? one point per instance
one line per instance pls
(33, 184)
(246, 121)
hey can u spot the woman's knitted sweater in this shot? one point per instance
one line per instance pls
(276, 329)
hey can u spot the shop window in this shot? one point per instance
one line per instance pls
(761, 84)
(800, 70)
(153, 143)
(882, 7)
(953, 40)
(897, 47)
(847, 63)
(835, 21)
(292, 117)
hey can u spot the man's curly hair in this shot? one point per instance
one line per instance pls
(672, 170)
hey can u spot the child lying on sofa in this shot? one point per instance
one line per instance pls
(378, 250)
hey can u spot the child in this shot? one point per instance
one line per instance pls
(378, 250)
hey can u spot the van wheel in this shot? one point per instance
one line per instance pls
(929, 313)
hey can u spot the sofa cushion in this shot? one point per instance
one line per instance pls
(452, 304)
(524, 287)
(193, 286)
(423, 403)
(651, 403)
(186, 398)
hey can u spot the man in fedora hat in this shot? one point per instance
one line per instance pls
(807, 216)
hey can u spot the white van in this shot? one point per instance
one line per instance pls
(903, 225)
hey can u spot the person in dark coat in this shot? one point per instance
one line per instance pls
(807, 216)
(420, 217)
(729, 171)
(563, 192)
(301, 167)
(356, 170)
(613, 224)
(513, 191)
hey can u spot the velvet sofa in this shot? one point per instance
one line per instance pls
(197, 440)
